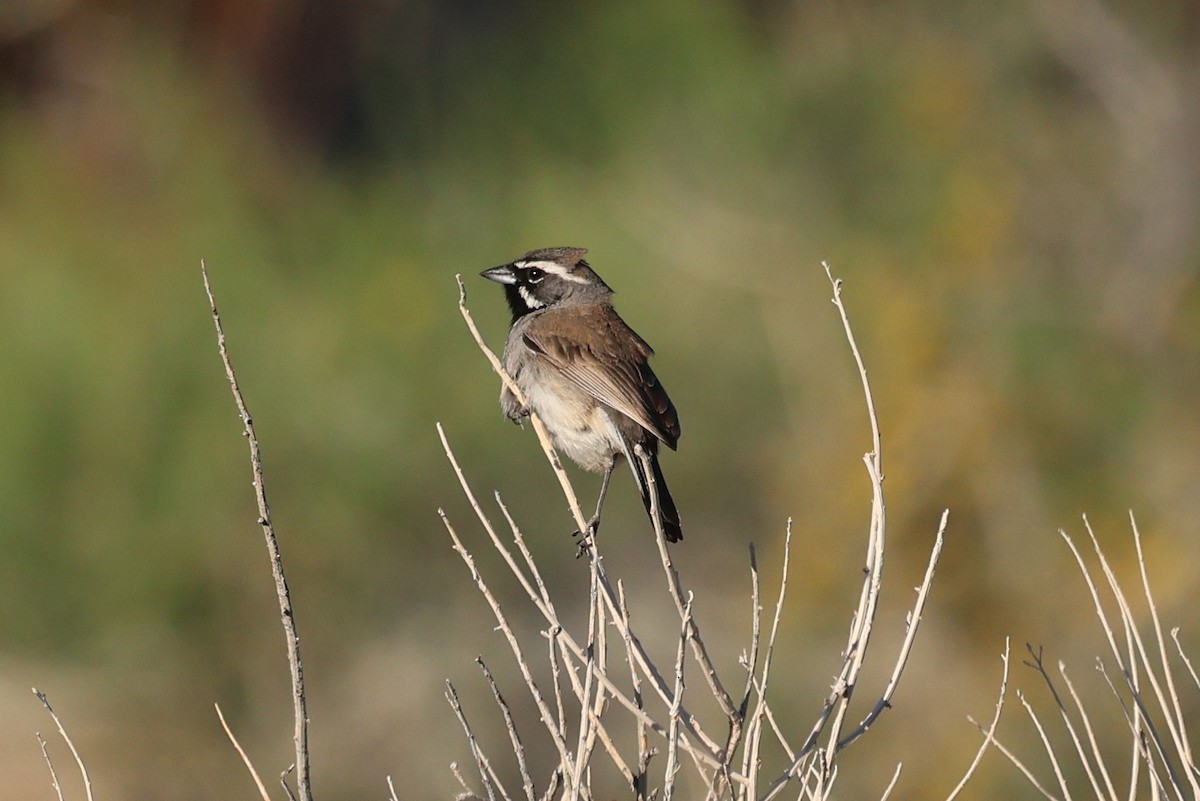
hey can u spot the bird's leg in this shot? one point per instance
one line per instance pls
(593, 525)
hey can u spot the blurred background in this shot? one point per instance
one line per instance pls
(1011, 192)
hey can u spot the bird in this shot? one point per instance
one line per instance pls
(585, 373)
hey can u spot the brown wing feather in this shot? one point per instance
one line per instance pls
(599, 352)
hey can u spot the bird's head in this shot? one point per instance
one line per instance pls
(548, 277)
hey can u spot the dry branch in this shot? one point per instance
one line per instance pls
(262, 789)
(50, 765)
(286, 613)
(87, 781)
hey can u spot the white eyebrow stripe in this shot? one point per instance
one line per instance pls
(529, 299)
(554, 268)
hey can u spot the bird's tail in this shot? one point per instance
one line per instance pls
(668, 515)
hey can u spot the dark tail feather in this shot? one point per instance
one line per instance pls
(668, 515)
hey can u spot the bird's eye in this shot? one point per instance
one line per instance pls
(535, 275)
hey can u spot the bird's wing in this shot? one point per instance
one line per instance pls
(596, 349)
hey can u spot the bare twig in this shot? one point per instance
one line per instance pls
(1137, 653)
(547, 717)
(1183, 655)
(892, 784)
(552, 787)
(754, 735)
(1173, 712)
(1038, 664)
(262, 790)
(864, 617)
(486, 774)
(462, 782)
(50, 765)
(699, 650)
(1097, 756)
(286, 613)
(87, 781)
(1047, 746)
(1017, 763)
(287, 789)
(751, 657)
(639, 779)
(1142, 754)
(672, 766)
(837, 703)
(989, 734)
(578, 652)
(514, 738)
(914, 620)
(595, 665)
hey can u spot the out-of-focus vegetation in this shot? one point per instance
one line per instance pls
(1010, 190)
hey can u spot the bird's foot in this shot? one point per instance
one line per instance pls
(587, 536)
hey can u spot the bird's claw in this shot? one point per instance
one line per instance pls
(586, 537)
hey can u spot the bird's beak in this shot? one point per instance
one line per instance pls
(501, 275)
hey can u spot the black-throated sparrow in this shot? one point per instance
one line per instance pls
(584, 372)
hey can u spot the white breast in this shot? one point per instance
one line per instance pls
(580, 426)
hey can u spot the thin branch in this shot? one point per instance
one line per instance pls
(1058, 774)
(989, 735)
(639, 780)
(556, 677)
(1142, 754)
(1091, 734)
(486, 774)
(547, 718)
(1131, 627)
(892, 784)
(462, 782)
(864, 618)
(287, 790)
(262, 790)
(691, 725)
(552, 787)
(595, 665)
(837, 703)
(751, 660)
(862, 368)
(672, 766)
(87, 781)
(1174, 711)
(286, 614)
(1183, 655)
(1017, 763)
(510, 724)
(699, 650)
(914, 621)
(50, 765)
(519, 540)
(754, 736)
(1038, 665)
